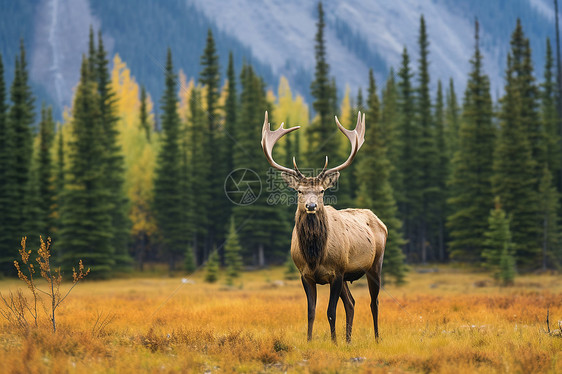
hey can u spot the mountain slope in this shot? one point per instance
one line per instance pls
(276, 36)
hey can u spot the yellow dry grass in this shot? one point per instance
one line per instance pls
(439, 322)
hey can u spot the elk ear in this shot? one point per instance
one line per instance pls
(291, 180)
(330, 180)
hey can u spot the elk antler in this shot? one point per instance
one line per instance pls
(268, 140)
(356, 138)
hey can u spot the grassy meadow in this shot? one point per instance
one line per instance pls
(446, 321)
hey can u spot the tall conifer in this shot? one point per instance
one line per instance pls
(199, 187)
(45, 174)
(92, 55)
(471, 178)
(375, 191)
(113, 159)
(426, 152)
(390, 120)
(167, 192)
(452, 120)
(7, 187)
(515, 167)
(441, 175)
(60, 179)
(231, 109)
(263, 229)
(409, 192)
(210, 78)
(16, 156)
(549, 205)
(321, 141)
(549, 116)
(143, 114)
(86, 205)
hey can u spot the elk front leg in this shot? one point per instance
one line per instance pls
(349, 305)
(335, 292)
(310, 290)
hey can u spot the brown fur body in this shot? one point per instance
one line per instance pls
(352, 242)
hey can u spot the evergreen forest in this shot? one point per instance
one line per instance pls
(127, 179)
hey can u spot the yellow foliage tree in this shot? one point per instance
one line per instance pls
(292, 111)
(185, 90)
(140, 155)
(346, 119)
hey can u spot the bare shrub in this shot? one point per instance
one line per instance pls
(17, 309)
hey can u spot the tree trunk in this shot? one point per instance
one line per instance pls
(441, 240)
(172, 262)
(261, 256)
(544, 242)
(423, 244)
(140, 254)
(198, 258)
(559, 81)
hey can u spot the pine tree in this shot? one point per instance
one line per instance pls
(232, 257)
(231, 109)
(549, 205)
(45, 170)
(507, 268)
(60, 178)
(452, 121)
(320, 140)
(515, 168)
(409, 193)
(86, 209)
(167, 192)
(472, 166)
(113, 159)
(21, 118)
(186, 200)
(426, 152)
(199, 188)
(264, 231)
(7, 185)
(548, 113)
(497, 238)
(32, 212)
(212, 267)
(390, 119)
(143, 116)
(441, 174)
(521, 70)
(92, 55)
(360, 105)
(3, 135)
(210, 78)
(375, 191)
(16, 157)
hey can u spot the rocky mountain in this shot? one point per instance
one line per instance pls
(276, 36)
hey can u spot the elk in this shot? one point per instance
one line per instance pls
(331, 246)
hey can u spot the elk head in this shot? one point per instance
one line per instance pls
(311, 189)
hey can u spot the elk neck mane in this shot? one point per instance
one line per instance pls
(312, 234)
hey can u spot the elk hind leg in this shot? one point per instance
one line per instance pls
(349, 305)
(374, 282)
(310, 290)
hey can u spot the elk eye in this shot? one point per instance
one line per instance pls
(321, 191)
(299, 191)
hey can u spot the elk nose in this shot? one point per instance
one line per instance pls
(311, 207)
